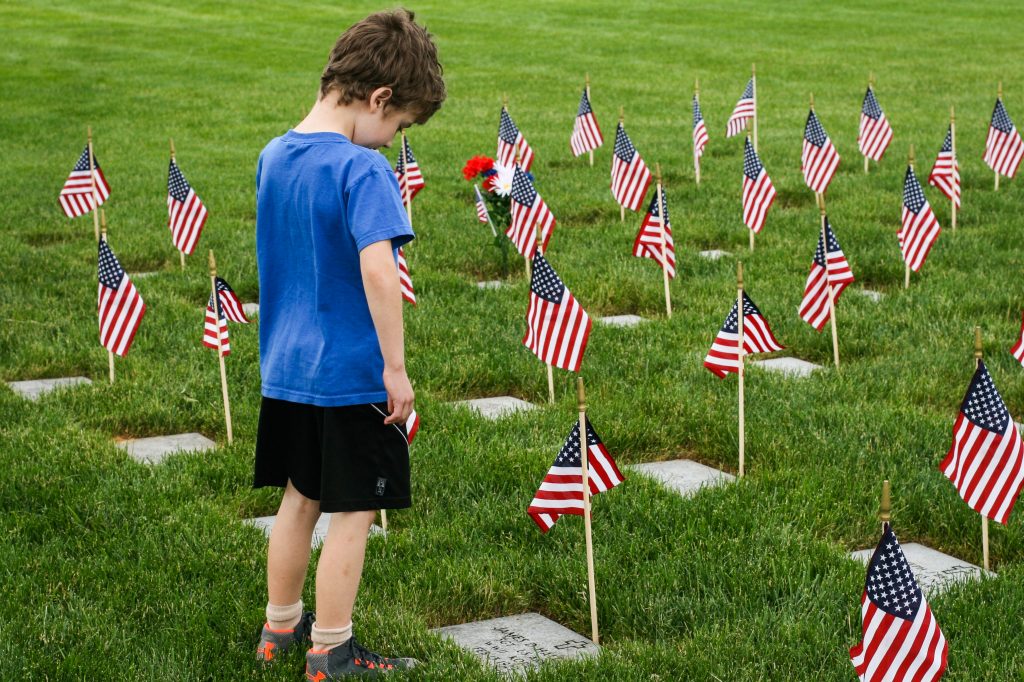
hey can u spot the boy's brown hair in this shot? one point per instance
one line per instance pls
(387, 49)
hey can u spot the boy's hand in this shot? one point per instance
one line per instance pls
(400, 396)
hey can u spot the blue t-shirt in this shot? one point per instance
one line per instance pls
(320, 200)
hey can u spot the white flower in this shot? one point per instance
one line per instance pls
(503, 180)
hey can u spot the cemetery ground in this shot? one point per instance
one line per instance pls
(113, 569)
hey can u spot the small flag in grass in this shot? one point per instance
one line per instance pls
(902, 640)
(407, 171)
(742, 112)
(724, 357)
(919, 228)
(186, 211)
(586, 135)
(1003, 146)
(226, 307)
(561, 491)
(946, 172)
(557, 326)
(120, 306)
(511, 140)
(403, 277)
(875, 133)
(630, 176)
(648, 239)
(986, 460)
(481, 208)
(758, 190)
(819, 158)
(76, 196)
(700, 131)
(827, 268)
(1018, 348)
(529, 212)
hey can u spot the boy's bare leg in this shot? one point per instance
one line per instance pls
(288, 552)
(341, 567)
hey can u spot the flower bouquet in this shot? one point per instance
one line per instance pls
(496, 185)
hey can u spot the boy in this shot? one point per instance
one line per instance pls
(329, 221)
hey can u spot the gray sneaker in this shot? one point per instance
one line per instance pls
(351, 658)
(276, 642)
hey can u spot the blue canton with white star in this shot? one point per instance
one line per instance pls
(890, 583)
(732, 322)
(570, 455)
(748, 92)
(523, 191)
(507, 130)
(947, 144)
(1000, 119)
(833, 245)
(982, 405)
(83, 161)
(813, 132)
(177, 186)
(697, 116)
(751, 164)
(624, 149)
(405, 157)
(653, 208)
(584, 105)
(218, 308)
(871, 107)
(544, 282)
(110, 271)
(913, 196)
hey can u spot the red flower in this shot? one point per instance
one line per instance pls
(476, 166)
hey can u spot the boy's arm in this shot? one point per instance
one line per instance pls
(384, 296)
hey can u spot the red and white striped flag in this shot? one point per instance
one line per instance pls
(228, 307)
(757, 338)
(557, 326)
(825, 271)
(700, 131)
(403, 277)
(986, 460)
(1003, 146)
(511, 140)
(407, 171)
(742, 112)
(1018, 348)
(76, 196)
(481, 207)
(120, 306)
(902, 640)
(586, 135)
(875, 133)
(412, 426)
(648, 239)
(630, 176)
(919, 228)
(561, 491)
(528, 213)
(186, 211)
(946, 172)
(758, 190)
(819, 158)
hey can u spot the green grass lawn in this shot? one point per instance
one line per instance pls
(114, 570)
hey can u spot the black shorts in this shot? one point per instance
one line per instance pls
(346, 457)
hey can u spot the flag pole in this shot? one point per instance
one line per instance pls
(103, 233)
(664, 240)
(551, 374)
(220, 342)
(906, 274)
(405, 191)
(753, 80)
(952, 145)
(696, 159)
(828, 282)
(591, 107)
(584, 452)
(739, 355)
(999, 98)
(984, 519)
(885, 508)
(173, 156)
(622, 209)
(95, 192)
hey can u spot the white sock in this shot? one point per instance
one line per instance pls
(283, 617)
(324, 639)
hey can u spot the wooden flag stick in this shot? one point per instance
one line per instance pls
(753, 122)
(906, 272)
(95, 192)
(828, 282)
(952, 145)
(885, 508)
(591, 106)
(664, 240)
(405, 187)
(622, 209)
(220, 342)
(999, 96)
(740, 353)
(384, 520)
(584, 452)
(103, 235)
(696, 159)
(173, 155)
(984, 519)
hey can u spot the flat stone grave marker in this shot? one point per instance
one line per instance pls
(498, 406)
(142, 275)
(154, 450)
(875, 296)
(514, 644)
(791, 367)
(266, 523)
(251, 309)
(933, 570)
(491, 284)
(622, 320)
(35, 388)
(713, 254)
(684, 476)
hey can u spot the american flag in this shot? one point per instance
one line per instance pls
(186, 212)
(586, 135)
(946, 172)
(120, 306)
(407, 171)
(742, 112)
(919, 228)
(985, 460)
(819, 158)
(528, 212)
(902, 640)
(700, 131)
(814, 309)
(481, 208)
(648, 240)
(76, 196)
(557, 327)
(403, 277)
(510, 140)
(1018, 348)
(630, 177)
(412, 426)
(758, 190)
(561, 491)
(229, 307)
(757, 338)
(1003, 146)
(875, 133)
